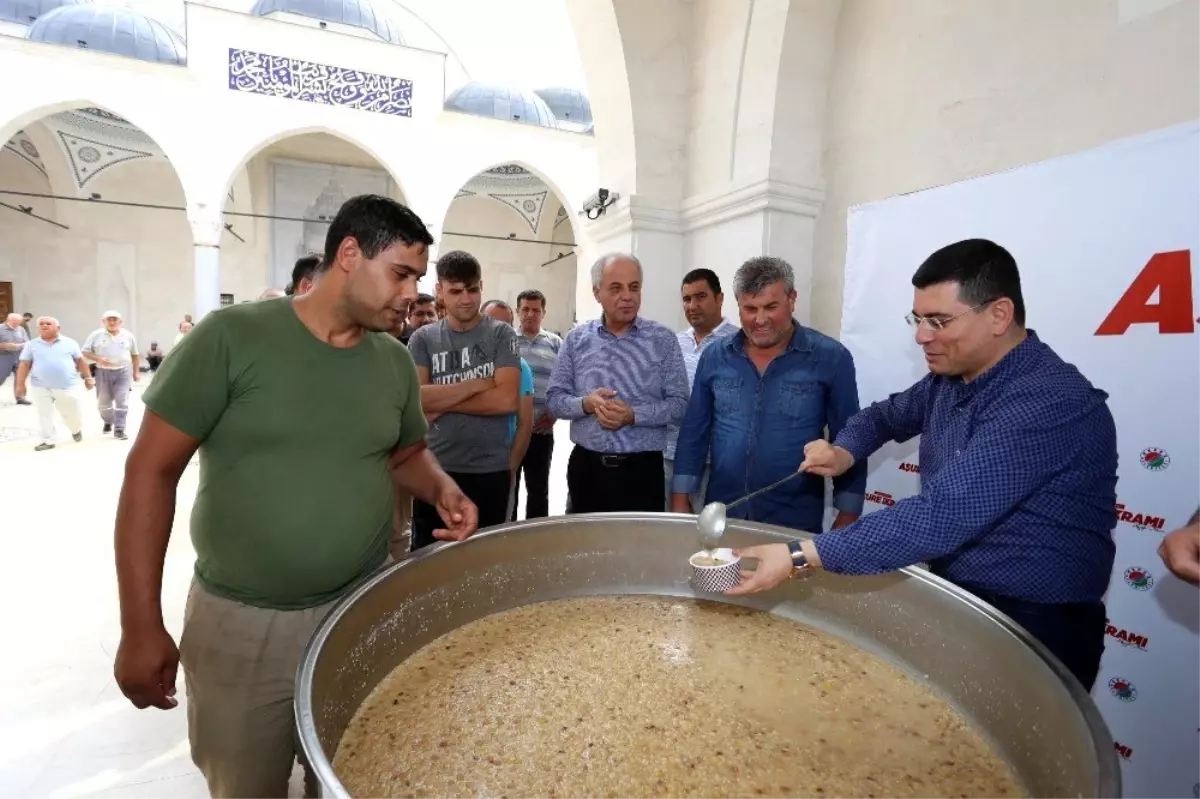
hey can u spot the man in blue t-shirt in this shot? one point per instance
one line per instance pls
(520, 424)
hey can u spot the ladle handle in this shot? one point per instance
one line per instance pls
(762, 491)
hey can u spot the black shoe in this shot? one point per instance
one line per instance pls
(107, 427)
(43, 447)
(77, 437)
(120, 435)
(23, 401)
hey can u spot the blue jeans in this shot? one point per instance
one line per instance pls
(696, 500)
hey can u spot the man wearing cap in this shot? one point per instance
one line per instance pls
(115, 353)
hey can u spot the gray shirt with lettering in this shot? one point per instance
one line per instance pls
(8, 358)
(465, 442)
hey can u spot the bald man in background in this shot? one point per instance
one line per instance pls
(12, 340)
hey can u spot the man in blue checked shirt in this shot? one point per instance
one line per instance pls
(1018, 466)
(760, 395)
(620, 380)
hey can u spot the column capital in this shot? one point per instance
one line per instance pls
(207, 225)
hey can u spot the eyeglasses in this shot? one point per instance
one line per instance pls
(937, 324)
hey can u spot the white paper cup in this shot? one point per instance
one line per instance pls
(715, 579)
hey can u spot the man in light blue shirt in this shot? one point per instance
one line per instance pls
(55, 364)
(702, 302)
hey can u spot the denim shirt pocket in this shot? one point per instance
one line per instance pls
(727, 395)
(801, 401)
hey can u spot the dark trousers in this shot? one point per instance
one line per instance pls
(489, 492)
(600, 483)
(536, 467)
(1073, 632)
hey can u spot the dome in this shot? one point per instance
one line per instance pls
(501, 102)
(356, 13)
(569, 106)
(111, 30)
(24, 12)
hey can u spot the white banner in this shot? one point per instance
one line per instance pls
(1107, 243)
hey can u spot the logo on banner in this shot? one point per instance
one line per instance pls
(1126, 638)
(1125, 752)
(1122, 689)
(1167, 278)
(881, 498)
(1155, 459)
(1142, 521)
(910, 467)
(1139, 579)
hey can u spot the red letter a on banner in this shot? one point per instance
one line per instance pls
(1170, 273)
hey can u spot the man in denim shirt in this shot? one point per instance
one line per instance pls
(760, 395)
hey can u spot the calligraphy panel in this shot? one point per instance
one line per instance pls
(310, 82)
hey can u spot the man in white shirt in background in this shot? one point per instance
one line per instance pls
(702, 301)
(12, 340)
(115, 353)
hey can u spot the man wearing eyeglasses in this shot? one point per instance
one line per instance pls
(1018, 466)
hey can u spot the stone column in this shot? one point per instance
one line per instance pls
(206, 233)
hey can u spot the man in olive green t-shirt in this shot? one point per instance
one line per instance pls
(302, 391)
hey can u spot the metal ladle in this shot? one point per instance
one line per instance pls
(711, 520)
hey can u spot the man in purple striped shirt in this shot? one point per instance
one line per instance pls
(621, 381)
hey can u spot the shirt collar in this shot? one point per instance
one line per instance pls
(724, 327)
(1018, 359)
(598, 325)
(799, 341)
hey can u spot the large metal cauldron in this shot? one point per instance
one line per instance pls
(1009, 685)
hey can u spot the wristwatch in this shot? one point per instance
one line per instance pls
(800, 565)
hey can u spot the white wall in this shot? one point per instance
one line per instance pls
(927, 92)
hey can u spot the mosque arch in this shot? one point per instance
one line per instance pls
(276, 205)
(519, 223)
(250, 150)
(103, 226)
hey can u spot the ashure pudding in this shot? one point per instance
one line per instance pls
(652, 696)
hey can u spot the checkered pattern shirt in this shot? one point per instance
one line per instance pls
(1018, 482)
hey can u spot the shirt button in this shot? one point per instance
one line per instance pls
(958, 452)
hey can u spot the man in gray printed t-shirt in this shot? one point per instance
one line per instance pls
(470, 371)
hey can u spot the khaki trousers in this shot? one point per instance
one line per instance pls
(239, 667)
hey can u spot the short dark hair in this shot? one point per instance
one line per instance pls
(532, 294)
(983, 270)
(707, 275)
(422, 299)
(376, 223)
(305, 267)
(458, 266)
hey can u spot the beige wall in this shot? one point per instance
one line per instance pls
(138, 261)
(928, 92)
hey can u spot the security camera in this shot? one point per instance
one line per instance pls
(596, 205)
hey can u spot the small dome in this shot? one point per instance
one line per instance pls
(501, 102)
(25, 12)
(357, 13)
(115, 29)
(570, 107)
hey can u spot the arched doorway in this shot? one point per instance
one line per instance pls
(281, 200)
(92, 217)
(520, 229)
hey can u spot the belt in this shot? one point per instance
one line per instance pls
(1013, 605)
(613, 460)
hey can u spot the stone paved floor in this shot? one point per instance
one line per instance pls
(65, 728)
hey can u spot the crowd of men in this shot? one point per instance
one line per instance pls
(440, 401)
